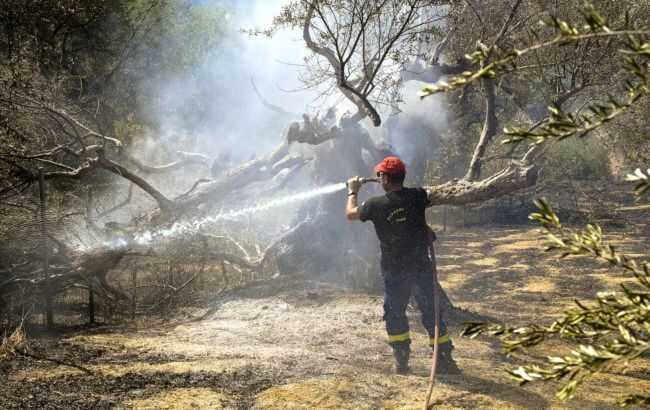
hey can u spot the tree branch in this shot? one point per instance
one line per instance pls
(105, 163)
(268, 105)
(504, 28)
(357, 98)
(461, 192)
(186, 158)
(487, 133)
(120, 205)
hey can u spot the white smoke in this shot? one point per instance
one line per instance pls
(234, 123)
(227, 120)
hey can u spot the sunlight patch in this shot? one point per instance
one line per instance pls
(185, 398)
(542, 285)
(323, 394)
(519, 267)
(519, 245)
(485, 262)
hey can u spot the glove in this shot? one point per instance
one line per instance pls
(354, 185)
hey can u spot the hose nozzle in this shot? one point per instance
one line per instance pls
(366, 180)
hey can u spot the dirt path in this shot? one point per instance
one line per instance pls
(294, 343)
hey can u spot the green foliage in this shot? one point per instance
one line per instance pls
(180, 34)
(576, 159)
(642, 179)
(561, 124)
(635, 399)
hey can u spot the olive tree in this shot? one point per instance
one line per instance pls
(615, 327)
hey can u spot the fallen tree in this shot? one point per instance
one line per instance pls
(319, 238)
(313, 244)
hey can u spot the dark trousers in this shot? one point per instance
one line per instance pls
(398, 288)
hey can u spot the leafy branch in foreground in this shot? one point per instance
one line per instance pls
(642, 179)
(613, 330)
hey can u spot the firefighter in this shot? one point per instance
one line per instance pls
(406, 261)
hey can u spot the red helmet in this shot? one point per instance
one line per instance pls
(392, 166)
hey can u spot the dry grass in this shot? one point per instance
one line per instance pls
(184, 398)
(319, 346)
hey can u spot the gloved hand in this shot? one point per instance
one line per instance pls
(354, 184)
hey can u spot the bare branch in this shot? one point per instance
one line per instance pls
(268, 105)
(462, 192)
(186, 158)
(487, 133)
(256, 170)
(105, 163)
(472, 6)
(79, 173)
(311, 132)
(440, 48)
(196, 184)
(504, 28)
(363, 105)
(126, 201)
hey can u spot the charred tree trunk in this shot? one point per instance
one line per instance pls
(323, 243)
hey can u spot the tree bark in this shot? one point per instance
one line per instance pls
(461, 192)
(487, 133)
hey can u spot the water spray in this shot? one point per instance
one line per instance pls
(180, 228)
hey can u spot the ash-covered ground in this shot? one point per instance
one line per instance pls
(296, 343)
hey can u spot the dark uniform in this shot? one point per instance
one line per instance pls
(406, 262)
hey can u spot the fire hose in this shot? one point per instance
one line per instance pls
(436, 332)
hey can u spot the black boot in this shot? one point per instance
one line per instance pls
(446, 363)
(401, 354)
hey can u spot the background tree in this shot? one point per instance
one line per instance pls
(615, 329)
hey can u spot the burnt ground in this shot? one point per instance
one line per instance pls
(295, 343)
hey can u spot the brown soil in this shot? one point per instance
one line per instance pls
(295, 343)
